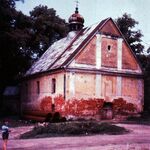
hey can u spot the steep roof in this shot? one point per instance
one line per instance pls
(62, 52)
(58, 53)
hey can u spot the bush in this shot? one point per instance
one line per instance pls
(74, 129)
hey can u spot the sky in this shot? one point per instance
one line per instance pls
(94, 11)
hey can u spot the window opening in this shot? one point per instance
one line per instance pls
(108, 47)
(53, 86)
(38, 87)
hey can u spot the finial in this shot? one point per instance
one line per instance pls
(77, 2)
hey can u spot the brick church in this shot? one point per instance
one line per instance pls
(80, 74)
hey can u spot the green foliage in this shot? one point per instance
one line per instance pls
(25, 38)
(12, 62)
(145, 61)
(127, 26)
(47, 28)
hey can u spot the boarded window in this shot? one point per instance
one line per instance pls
(53, 85)
(38, 87)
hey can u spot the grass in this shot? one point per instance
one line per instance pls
(73, 129)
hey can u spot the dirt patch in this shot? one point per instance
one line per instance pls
(137, 139)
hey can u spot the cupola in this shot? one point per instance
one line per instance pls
(76, 21)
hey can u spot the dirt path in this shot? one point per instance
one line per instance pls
(138, 139)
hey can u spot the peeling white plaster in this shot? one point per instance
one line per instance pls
(119, 86)
(98, 85)
(72, 84)
(98, 51)
(119, 62)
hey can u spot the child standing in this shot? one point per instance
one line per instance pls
(5, 134)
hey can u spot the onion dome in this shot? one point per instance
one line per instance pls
(76, 21)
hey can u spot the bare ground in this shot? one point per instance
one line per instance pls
(137, 139)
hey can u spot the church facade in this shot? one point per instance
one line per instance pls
(82, 72)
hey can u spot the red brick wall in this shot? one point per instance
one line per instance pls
(110, 28)
(130, 88)
(109, 57)
(128, 60)
(79, 108)
(88, 54)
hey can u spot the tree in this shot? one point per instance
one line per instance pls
(14, 34)
(126, 25)
(11, 37)
(47, 28)
(24, 37)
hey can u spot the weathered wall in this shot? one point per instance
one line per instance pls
(81, 94)
(78, 107)
(110, 29)
(109, 87)
(35, 101)
(87, 86)
(128, 60)
(133, 91)
(109, 57)
(87, 56)
(80, 85)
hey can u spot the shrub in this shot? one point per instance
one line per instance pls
(73, 129)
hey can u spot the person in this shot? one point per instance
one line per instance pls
(5, 134)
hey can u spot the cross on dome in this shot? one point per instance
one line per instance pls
(77, 2)
(76, 20)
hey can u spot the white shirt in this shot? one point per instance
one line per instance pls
(5, 128)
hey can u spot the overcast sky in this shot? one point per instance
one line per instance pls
(94, 11)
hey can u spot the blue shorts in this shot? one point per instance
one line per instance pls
(5, 135)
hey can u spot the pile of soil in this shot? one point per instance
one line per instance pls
(73, 129)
